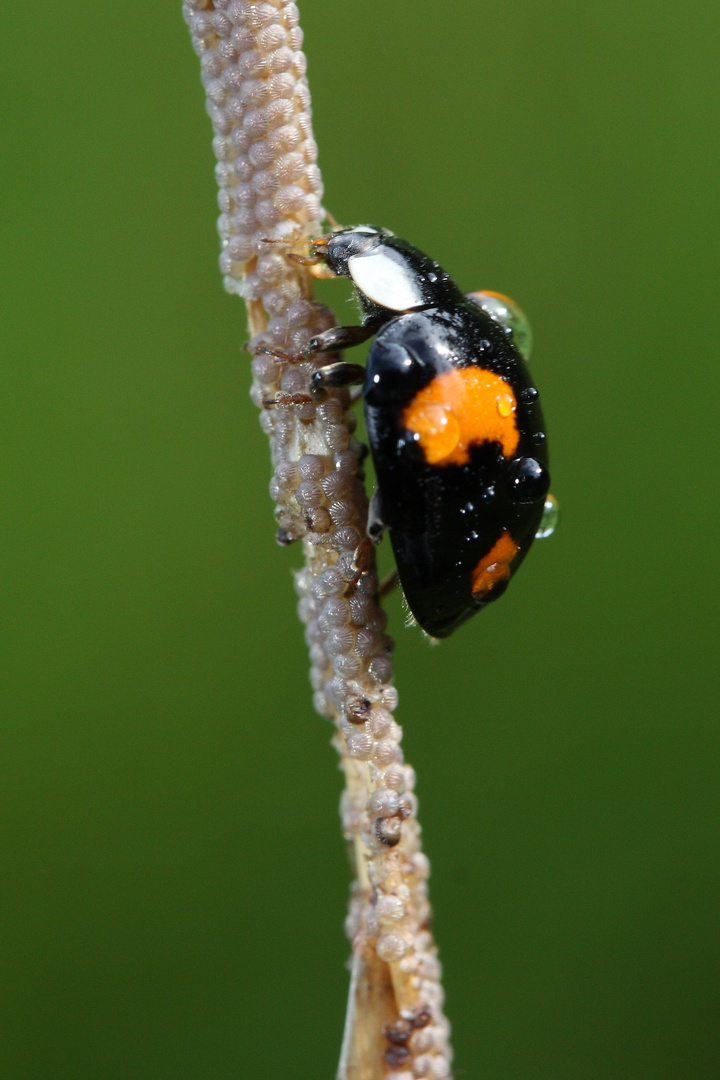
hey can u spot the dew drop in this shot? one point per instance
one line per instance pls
(549, 520)
(529, 479)
(506, 312)
(437, 430)
(505, 404)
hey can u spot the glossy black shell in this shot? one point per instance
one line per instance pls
(443, 519)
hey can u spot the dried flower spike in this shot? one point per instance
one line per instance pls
(253, 71)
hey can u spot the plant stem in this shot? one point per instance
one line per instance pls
(253, 71)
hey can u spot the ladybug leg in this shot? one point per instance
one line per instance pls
(316, 260)
(362, 559)
(319, 269)
(330, 376)
(335, 340)
(304, 260)
(286, 401)
(375, 532)
(388, 583)
(333, 376)
(340, 337)
(376, 521)
(288, 358)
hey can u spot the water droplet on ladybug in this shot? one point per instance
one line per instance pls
(506, 312)
(528, 395)
(505, 404)
(550, 518)
(529, 479)
(437, 430)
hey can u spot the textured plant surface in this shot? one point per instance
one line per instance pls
(253, 71)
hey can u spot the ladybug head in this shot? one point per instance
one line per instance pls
(344, 244)
(388, 272)
(382, 268)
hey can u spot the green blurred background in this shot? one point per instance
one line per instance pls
(172, 879)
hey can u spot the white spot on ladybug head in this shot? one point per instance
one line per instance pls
(383, 275)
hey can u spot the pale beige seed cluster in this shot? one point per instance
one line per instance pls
(253, 71)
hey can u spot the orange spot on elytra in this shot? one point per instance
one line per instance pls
(495, 566)
(460, 408)
(438, 430)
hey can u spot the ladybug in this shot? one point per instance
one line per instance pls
(453, 420)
